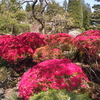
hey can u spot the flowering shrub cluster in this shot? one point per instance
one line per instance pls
(14, 48)
(41, 47)
(46, 53)
(51, 74)
(62, 41)
(89, 42)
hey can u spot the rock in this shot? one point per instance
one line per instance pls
(11, 92)
(2, 92)
(74, 32)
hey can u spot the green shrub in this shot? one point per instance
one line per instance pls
(25, 27)
(20, 28)
(51, 95)
(60, 95)
(7, 77)
(78, 96)
(6, 73)
(3, 63)
(16, 29)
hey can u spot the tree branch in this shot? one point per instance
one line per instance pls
(43, 4)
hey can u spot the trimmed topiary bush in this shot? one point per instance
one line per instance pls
(51, 74)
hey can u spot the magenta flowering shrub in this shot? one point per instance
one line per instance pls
(34, 40)
(90, 33)
(46, 53)
(89, 43)
(62, 41)
(51, 74)
(15, 48)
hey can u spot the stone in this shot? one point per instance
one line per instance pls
(2, 92)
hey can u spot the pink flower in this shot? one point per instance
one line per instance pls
(89, 43)
(15, 48)
(55, 73)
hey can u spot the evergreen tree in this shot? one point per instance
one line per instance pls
(65, 5)
(3, 6)
(53, 9)
(86, 15)
(11, 17)
(28, 7)
(95, 18)
(14, 5)
(75, 11)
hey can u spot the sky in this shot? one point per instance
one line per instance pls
(91, 2)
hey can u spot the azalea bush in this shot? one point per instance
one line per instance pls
(90, 33)
(62, 41)
(51, 74)
(15, 48)
(46, 53)
(88, 43)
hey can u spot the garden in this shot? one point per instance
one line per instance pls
(51, 67)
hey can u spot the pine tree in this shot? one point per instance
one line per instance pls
(86, 15)
(54, 8)
(65, 5)
(3, 6)
(11, 17)
(95, 20)
(75, 11)
(14, 5)
(28, 7)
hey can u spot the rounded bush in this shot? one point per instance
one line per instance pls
(46, 53)
(59, 95)
(51, 95)
(62, 41)
(14, 48)
(51, 74)
(88, 43)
